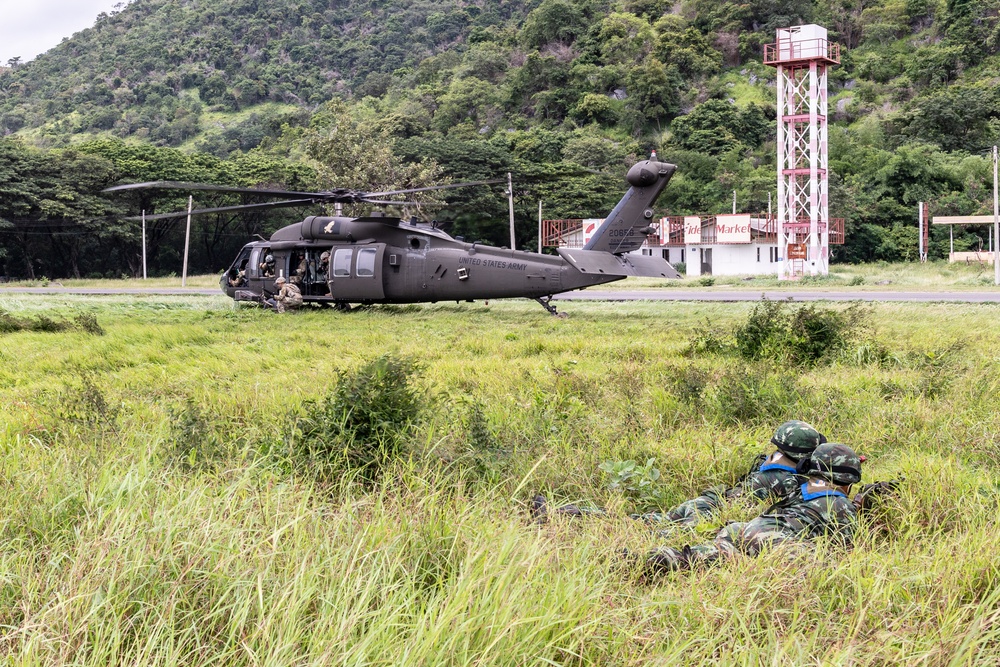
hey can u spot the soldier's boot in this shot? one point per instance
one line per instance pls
(669, 559)
(540, 510)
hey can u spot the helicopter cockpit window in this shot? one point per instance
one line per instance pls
(342, 263)
(366, 262)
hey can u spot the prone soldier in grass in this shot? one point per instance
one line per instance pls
(772, 476)
(818, 507)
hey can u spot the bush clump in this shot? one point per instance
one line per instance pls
(777, 331)
(363, 424)
(193, 443)
(85, 322)
(754, 394)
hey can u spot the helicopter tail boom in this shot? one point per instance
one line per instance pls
(595, 262)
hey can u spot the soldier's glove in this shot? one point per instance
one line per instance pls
(870, 495)
(754, 468)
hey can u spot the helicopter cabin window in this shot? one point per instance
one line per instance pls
(366, 262)
(342, 263)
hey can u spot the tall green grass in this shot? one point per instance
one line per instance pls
(121, 547)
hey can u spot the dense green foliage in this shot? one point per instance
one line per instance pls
(362, 426)
(539, 87)
(156, 511)
(802, 335)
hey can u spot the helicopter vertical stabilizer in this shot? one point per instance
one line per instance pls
(626, 227)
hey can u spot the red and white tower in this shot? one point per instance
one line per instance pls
(802, 55)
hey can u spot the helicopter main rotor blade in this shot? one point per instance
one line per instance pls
(222, 209)
(179, 185)
(435, 187)
(379, 202)
(336, 196)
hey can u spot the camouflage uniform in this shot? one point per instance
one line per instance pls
(300, 272)
(288, 298)
(774, 478)
(819, 506)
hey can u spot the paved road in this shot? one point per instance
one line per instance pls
(694, 294)
(778, 295)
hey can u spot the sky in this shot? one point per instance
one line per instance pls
(30, 27)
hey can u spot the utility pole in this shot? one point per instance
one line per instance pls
(996, 224)
(143, 244)
(187, 243)
(539, 226)
(920, 231)
(510, 202)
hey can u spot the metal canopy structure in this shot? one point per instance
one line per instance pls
(802, 55)
(984, 257)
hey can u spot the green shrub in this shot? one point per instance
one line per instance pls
(706, 281)
(482, 450)
(775, 330)
(84, 322)
(193, 442)
(639, 483)
(752, 394)
(363, 424)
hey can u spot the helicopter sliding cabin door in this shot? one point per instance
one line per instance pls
(356, 273)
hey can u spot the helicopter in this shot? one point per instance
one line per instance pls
(378, 259)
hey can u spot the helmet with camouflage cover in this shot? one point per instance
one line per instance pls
(280, 281)
(269, 259)
(797, 439)
(836, 463)
(325, 255)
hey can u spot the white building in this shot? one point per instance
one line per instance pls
(720, 245)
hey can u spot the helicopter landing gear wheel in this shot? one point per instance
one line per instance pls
(341, 306)
(545, 301)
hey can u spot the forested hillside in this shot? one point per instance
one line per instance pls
(393, 94)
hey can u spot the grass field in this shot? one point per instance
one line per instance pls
(878, 276)
(159, 507)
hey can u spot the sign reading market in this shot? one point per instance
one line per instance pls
(732, 228)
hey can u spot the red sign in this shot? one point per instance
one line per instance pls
(796, 251)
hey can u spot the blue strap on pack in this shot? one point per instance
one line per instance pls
(819, 494)
(776, 466)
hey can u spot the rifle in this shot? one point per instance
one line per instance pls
(869, 496)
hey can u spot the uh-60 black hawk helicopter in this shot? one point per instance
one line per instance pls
(379, 259)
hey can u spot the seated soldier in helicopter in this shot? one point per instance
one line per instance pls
(289, 297)
(771, 476)
(818, 507)
(301, 271)
(323, 272)
(267, 266)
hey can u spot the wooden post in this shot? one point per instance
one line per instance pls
(144, 244)
(539, 226)
(510, 202)
(187, 243)
(996, 224)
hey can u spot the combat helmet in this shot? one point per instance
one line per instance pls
(797, 439)
(269, 259)
(280, 281)
(836, 463)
